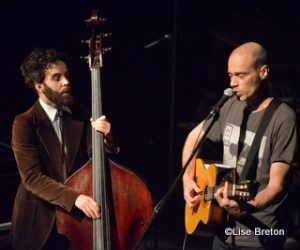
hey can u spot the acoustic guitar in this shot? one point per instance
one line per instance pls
(206, 211)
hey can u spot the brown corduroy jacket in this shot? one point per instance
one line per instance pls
(37, 152)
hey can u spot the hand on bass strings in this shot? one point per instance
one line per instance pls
(103, 125)
(88, 206)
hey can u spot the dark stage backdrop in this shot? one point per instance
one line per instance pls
(153, 96)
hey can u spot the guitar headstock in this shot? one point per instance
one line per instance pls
(245, 190)
(96, 50)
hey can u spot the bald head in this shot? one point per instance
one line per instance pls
(252, 51)
(247, 69)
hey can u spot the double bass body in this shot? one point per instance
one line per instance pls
(130, 208)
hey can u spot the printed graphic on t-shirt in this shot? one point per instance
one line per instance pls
(231, 141)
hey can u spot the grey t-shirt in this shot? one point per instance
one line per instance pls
(278, 144)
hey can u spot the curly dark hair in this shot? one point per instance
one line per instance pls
(34, 66)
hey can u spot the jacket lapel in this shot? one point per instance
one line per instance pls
(73, 136)
(46, 132)
(49, 139)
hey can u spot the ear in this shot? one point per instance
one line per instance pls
(38, 87)
(264, 72)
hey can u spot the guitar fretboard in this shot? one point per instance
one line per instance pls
(232, 192)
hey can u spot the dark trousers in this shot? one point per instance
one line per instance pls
(56, 241)
(218, 244)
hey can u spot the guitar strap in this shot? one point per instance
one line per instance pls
(249, 168)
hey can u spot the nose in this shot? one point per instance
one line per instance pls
(233, 82)
(65, 81)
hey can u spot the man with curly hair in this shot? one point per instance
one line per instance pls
(39, 144)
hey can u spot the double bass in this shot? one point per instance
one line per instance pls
(125, 201)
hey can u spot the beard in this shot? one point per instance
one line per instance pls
(62, 98)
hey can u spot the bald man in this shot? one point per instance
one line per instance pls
(257, 223)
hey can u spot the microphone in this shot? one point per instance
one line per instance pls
(164, 37)
(228, 93)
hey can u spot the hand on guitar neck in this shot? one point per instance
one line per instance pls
(224, 200)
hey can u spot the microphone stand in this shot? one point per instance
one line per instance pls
(160, 205)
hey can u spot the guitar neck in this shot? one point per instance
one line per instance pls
(210, 191)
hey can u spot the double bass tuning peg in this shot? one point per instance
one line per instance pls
(106, 35)
(102, 35)
(95, 21)
(85, 58)
(85, 42)
(106, 50)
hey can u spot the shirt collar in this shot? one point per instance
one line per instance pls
(51, 111)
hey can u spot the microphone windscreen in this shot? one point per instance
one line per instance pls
(228, 92)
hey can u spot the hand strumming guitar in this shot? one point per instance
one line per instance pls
(191, 191)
